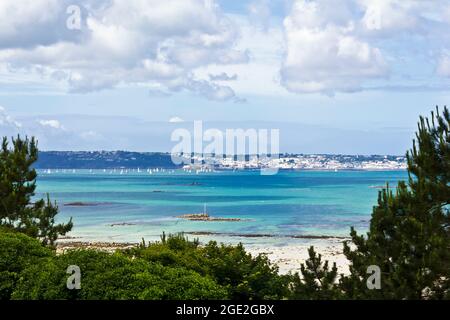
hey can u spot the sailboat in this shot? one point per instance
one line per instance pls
(205, 212)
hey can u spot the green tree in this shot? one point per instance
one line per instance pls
(245, 276)
(17, 189)
(409, 234)
(317, 281)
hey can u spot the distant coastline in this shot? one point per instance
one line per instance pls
(117, 160)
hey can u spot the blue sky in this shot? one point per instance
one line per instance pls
(335, 77)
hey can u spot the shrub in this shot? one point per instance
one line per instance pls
(113, 276)
(244, 276)
(17, 252)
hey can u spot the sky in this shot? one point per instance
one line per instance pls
(348, 76)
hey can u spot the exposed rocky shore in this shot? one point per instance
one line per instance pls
(205, 217)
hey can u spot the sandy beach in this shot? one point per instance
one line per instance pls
(289, 257)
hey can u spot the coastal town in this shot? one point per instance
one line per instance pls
(300, 162)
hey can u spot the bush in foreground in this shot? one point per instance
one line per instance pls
(113, 276)
(17, 252)
(174, 269)
(244, 276)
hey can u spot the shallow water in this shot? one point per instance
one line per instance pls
(290, 203)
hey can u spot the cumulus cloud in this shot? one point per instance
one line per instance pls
(359, 43)
(29, 23)
(323, 52)
(391, 15)
(50, 133)
(211, 90)
(192, 45)
(205, 88)
(119, 43)
(55, 124)
(222, 77)
(176, 120)
(390, 18)
(8, 125)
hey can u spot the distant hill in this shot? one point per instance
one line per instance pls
(103, 160)
(143, 160)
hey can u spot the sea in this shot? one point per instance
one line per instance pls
(288, 207)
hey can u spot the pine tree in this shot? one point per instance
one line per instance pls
(317, 280)
(409, 234)
(17, 188)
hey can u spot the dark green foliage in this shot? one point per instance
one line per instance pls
(113, 276)
(409, 236)
(17, 252)
(317, 280)
(172, 250)
(429, 159)
(17, 187)
(173, 269)
(244, 276)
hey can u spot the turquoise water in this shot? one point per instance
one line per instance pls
(290, 203)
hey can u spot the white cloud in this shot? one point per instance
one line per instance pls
(50, 133)
(222, 77)
(261, 75)
(192, 45)
(55, 124)
(324, 54)
(391, 15)
(8, 125)
(205, 88)
(211, 90)
(176, 120)
(359, 44)
(120, 42)
(28, 23)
